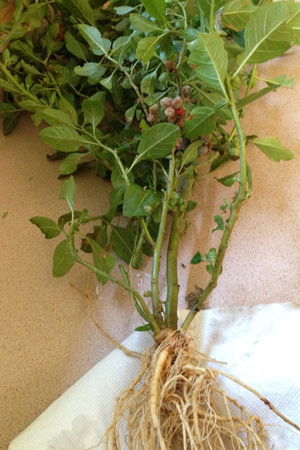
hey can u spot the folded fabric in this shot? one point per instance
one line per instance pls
(258, 343)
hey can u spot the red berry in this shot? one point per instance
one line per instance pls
(179, 111)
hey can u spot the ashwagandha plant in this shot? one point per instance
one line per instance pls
(152, 94)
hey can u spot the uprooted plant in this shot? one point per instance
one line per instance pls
(146, 91)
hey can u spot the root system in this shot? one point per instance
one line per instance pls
(177, 402)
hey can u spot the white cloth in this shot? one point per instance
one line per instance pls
(260, 345)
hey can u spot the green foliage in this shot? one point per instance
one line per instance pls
(158, 141)
(273, 149)
(201, 122)
(47, 226)
(63, 259)
(210, 59)
(142, 91)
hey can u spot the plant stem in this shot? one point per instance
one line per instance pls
(133, 85)
(157, 250)
(126, 279)
(172, 259)
(235, 208)
(172, 275)
(124, 285)
(12, 80)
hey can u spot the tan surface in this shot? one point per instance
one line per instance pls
(47, 341)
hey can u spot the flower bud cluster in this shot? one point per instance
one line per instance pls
(173, 111)
(172, 108)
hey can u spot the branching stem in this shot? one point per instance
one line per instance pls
(14, 82)
(124, 285)
(235, 208)
(157, 251)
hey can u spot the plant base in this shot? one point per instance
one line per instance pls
(177, 402)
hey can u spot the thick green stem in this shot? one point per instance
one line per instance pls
(172, 258)
(157, 306)
(235, 208)
(172, 275)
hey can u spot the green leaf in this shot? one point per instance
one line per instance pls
(34, 15)
(65, 218)
(190, 206)
(141, 23)
(117, 178)
(210, 59)
(81, 9)
(139, 201)
(63, 259)
(63, 138)
(210, 7)
(190, 34)
(252, 97)
(237, 13)
(10, 122)
(70, 163)
(67, 191)
(68, 108)
(228, 180)
(28, 68)
(273, 149)
(156, 9)
(146, 48)
(226, 205)
(146, 327)
(31, 105)
(6, 109)
(123, 242)
(120, 45)
(108, 82)
(103, 261)
(93, 109)
(76, 48)
(280, 81)
(56, 117)
(219, 162)
(123, 10)
(90, 69)
(149, 83)
(190, 154)
(47, 226)
(201, 122)
(129, 114)
(211, 258)
(116, 198)
(158, 141)
(197, 258)
(99, 45)
(220, 224)
(6, 86)
(213, 99)
(144, 126)
(266, 42)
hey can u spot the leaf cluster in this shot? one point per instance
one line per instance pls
(143, 91)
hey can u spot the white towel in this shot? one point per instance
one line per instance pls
(260, 345)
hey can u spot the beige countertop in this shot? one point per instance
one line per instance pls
(47, 340)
